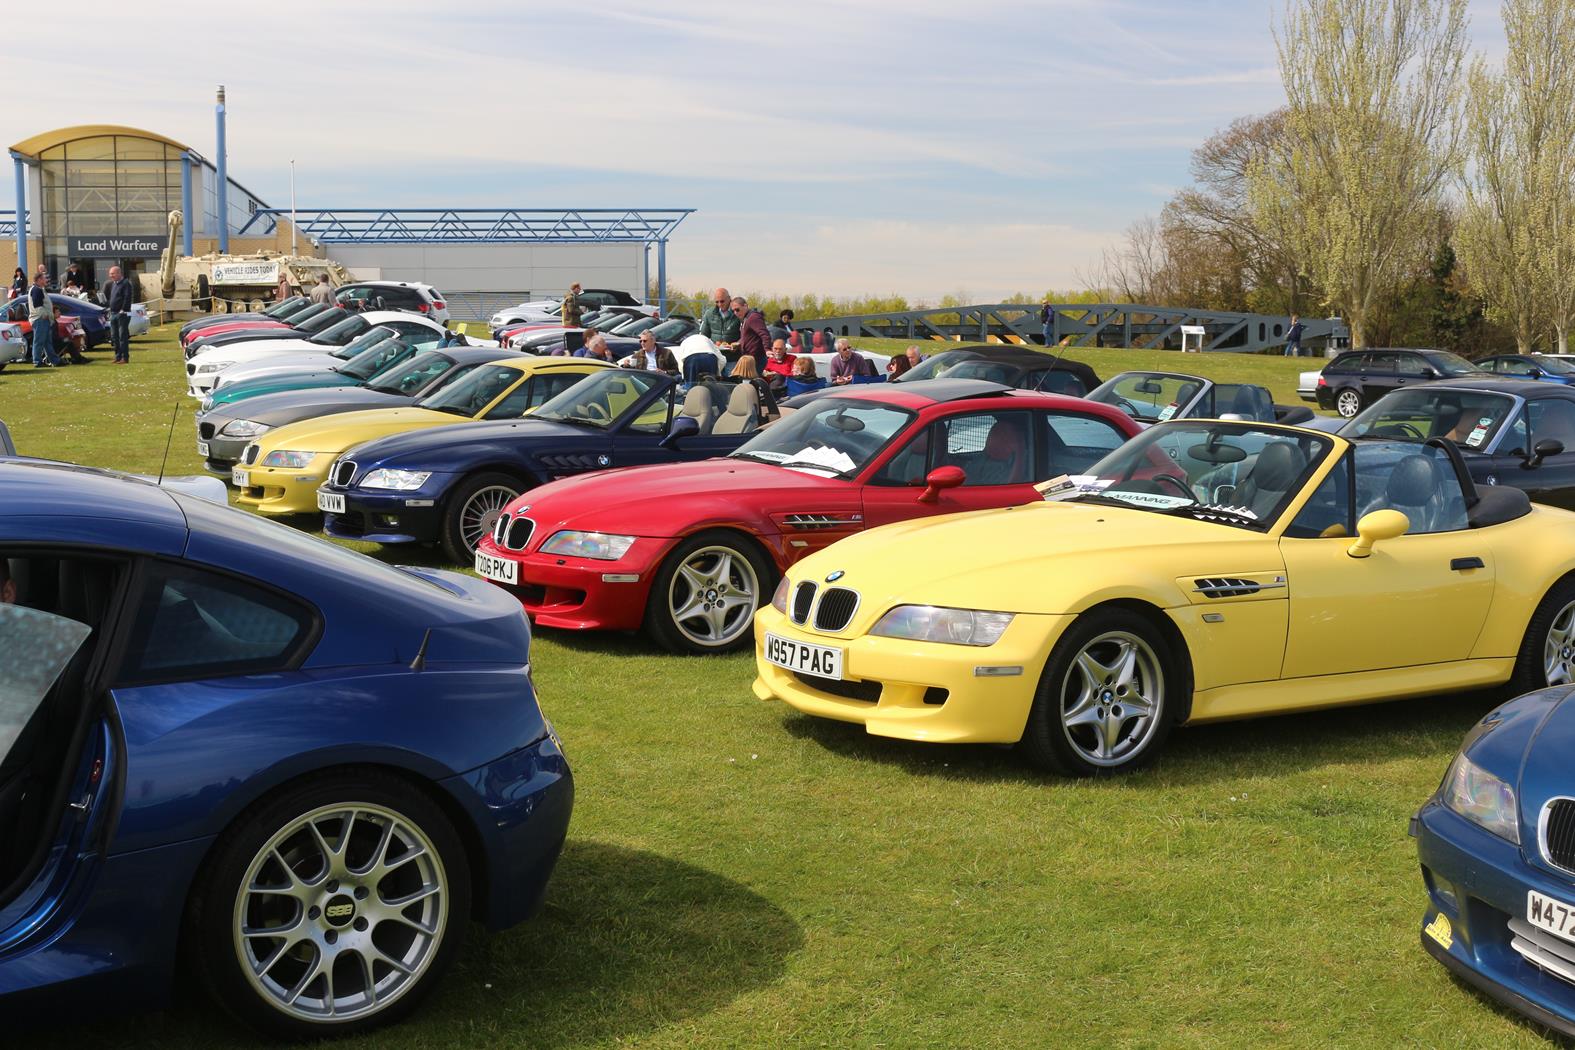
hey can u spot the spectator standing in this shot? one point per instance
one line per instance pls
(117, 298)
(1047, 321)
(75, 278)
(848, 366)
(41, 314)
(1293, 337)
(718, 323)
(571, 313)
(322, 291)
(18, 283)
(753, 339)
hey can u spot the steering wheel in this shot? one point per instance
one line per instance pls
(1180, 483)
(1128, 407)
(596, 412)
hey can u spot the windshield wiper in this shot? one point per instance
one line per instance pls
(810, 465)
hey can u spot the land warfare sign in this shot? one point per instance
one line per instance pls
(110, 246)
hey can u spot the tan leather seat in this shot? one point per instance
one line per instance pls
(698, 404)
(743, 411)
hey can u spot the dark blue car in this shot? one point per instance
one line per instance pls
(1531, 366)
(447, 485)
(1497, 846)
(309, 770)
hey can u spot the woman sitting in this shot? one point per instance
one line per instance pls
(804, 378)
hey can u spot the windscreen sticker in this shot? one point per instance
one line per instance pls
(1065, 486)
(1475, 437)
(1168, 411)
(1485, 421)
(830, 458)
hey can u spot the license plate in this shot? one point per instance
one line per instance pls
(330, 502)
(494, 568)
(821, 660)
(1551, 915)
(241, 479)
(202, 449)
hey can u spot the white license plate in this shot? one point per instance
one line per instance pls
(1551, 915)
(821, 660)
(330, 502)
(241, 479)
(202, 449)
(494, 568)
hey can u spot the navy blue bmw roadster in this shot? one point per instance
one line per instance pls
(310, 770)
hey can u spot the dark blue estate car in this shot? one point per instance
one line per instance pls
(1497, 846)
(309, 770)
(449, 484)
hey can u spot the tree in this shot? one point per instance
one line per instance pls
(1516, 230)
(1373, 89)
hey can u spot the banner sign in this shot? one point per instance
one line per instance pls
(110, 246)
(245, 273)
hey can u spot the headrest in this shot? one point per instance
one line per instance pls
(1415, 481)
(1278, 467)
(1005, 441)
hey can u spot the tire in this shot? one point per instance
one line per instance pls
(705, 594)
(1547, 653)
(1084, 680)
(1348, 402)
(469, 512)
(362, 818)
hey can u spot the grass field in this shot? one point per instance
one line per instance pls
(739, 875)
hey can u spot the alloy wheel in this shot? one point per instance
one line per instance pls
(480, 513)
(1558, 649)
(1348, 403)
(712, 596)
(340, 913)
(1112, 699)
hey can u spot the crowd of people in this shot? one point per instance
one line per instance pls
(48, 342)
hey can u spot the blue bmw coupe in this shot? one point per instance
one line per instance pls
(303, 769)
(1497, 846)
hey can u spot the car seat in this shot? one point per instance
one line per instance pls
(1415, 489)
(699, 406)
(817, 343)
(1005, 457)
(795, 342)
(1274, 474)
(743, 411)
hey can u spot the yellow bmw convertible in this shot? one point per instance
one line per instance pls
(280, 473)
(1202, 571)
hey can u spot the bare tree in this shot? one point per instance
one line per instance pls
(1373, 88)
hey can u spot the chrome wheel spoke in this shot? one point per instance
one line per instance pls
(712, 595)
(1111, 699)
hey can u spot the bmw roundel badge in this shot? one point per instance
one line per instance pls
(835, 576)
(603, 460)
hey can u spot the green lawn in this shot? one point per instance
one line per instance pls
(738, 875)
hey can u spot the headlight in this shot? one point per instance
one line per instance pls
(599, 545)
(293, 460)
(397, 480)
(779, 599)
(212, 366)
(1481, 798)
(245, 428)
(929, 623)
(207, 404)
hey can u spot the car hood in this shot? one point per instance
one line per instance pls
(249, 352)
(283, 357)
(1535, 737)
(451, 448)
(246, 389)
(1040, 558)
(291, 406)
(337, 433)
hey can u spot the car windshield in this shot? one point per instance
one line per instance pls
(364, 341)
(1449, 364)
(937, 366)
(1232, 473)
(290, 305)
(409, 376)
(35, 647)
(601, 398)
(1150, 396)
(633, 325)
(1555, 365)
(473, 393)
(330, 316)
(1469, 418)
(835, 435)
(379, 358)
(341, 332)
(667, 331)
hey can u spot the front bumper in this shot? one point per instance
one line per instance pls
(917, 690)
(279, 490)
(576, 594)
(387, 517)
(223, 452)
(200, 384)
(17, 350)
(1478, 882)
(521, 805)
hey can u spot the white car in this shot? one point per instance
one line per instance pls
(411, 296)
(13, 344)
(204, 369)
(140, 324)
(1307, 386)
(543, 311)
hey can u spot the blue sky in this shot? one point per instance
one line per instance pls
(913, 146)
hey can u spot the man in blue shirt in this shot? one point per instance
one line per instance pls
(118, 298)
(1293, 338)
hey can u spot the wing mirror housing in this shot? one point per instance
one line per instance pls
(939, 479)
(1429, 373)
(683, 426)
(1542, 450)
(1376, 527)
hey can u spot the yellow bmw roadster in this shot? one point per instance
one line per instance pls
(1202, 571)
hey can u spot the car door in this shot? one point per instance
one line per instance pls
(1378, 375)
(996, 449)
(1418, 599)
(1552, 480)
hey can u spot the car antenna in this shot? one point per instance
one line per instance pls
(420, 662)
(168, 439)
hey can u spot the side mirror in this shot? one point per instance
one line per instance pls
(939, 479)
(1429, 373)
(1542, 450)
(1375, 527)
(683, 426)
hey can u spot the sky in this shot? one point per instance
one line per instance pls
(913, 147)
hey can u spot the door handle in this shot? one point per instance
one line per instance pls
(1462, 564)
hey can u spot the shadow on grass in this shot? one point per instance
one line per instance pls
(629, 941)
(1198, 754)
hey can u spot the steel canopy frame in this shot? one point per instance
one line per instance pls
(645, 226)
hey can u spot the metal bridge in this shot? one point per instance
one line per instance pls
(8, 223)
(1086, 324)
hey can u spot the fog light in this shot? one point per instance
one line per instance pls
(389, 520)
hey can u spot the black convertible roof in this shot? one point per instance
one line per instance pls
(1530, 389)
(1027, 357)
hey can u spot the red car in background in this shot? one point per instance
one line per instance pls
(689, 551)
